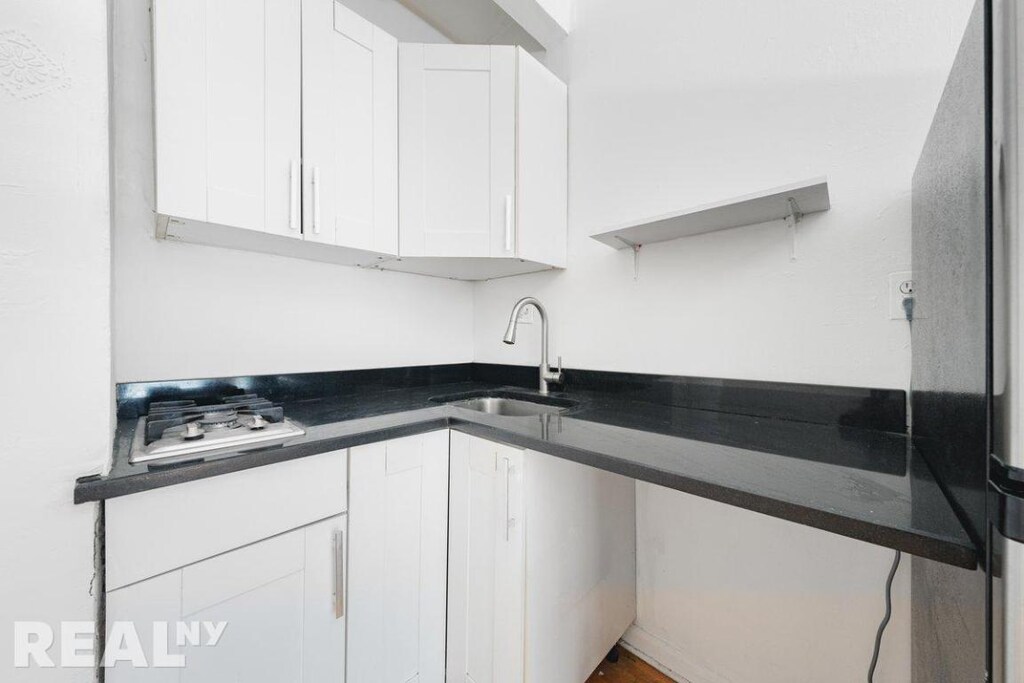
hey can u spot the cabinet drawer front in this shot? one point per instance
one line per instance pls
(156, 531)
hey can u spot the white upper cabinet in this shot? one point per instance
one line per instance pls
(349, 129)
(284, 126)
(276, 118)
(483, 141)
(228, 101)
(458, 150)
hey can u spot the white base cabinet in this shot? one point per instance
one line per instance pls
(435, 558)
(279, 600)
(541, 565)
(398, 559)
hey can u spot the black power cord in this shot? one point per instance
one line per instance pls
(888, 615)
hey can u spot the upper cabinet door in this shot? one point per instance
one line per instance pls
(227, 77)
(457, 158)
(350, 129)
(542, 171)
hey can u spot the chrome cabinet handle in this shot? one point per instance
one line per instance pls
(293, 196)
(339, 574)
(510, 521)
(316, 199)
(508, 222)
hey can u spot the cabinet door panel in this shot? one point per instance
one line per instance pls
(542, 167)
(457, 164)
(349, 128)
(399, 499)
(144, 604)
(226, 576)
(179, 93)
(236, 93)
(227, 93)
(581, 563)
(263, 639)
(486, 563)
(277, 598)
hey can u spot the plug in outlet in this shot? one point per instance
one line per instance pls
(526, 315)
(901, 286)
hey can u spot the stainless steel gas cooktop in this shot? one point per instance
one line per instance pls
(181, 431)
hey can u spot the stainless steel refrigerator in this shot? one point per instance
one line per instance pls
(967, 386)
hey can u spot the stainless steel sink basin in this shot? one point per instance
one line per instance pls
(511, 407)
(509, 403)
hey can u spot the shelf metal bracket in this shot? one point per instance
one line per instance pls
(794, 217)
(636, 256)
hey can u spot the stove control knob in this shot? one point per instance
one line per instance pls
(193, 431)
(258, 422)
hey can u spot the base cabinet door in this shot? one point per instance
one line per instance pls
(486, 563)
(541, 565)
(398, 511)
(277, 605)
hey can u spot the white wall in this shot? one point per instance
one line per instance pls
(54, 311)
(183, 311)
(678, 103)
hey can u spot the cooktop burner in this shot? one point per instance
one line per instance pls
(180, 431)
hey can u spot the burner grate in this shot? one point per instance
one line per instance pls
(164, 415)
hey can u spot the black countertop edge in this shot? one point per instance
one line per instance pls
(866, 485)
(961, 554)
(97, 488)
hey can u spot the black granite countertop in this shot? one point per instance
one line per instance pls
(866, 484)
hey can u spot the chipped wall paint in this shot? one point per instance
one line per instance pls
(54, 311)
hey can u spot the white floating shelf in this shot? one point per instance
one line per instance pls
(796, 200)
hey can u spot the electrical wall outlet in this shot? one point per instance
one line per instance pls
(902, 285)
(526, 315)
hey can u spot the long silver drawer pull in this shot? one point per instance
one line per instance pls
(316, 200)
(339, 574)
(293, 195)
(510, 521)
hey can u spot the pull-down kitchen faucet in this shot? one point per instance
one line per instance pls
(547, 375)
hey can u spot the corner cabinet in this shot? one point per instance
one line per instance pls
(276, 128)
(541, 564)
(483, 135)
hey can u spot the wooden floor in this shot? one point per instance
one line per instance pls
(629, 669)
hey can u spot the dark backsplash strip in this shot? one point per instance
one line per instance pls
(879, 409)
(133, 398)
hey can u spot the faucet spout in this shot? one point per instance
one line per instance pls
(547, 375)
